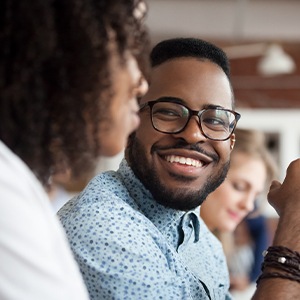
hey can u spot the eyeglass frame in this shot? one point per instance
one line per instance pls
(192, 112)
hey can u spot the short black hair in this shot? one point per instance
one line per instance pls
(189, 47)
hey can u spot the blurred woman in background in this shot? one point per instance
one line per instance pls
(252, 168)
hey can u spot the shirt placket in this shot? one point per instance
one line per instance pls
(189, 228)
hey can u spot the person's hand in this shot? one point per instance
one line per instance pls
(285, 197)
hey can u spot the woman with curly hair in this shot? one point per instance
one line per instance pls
(70, 73)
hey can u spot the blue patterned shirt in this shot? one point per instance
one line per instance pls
(130, 247)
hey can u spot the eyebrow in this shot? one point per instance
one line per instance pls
(183, 102)
(214, 106)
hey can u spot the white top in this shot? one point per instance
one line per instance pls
(35, 260)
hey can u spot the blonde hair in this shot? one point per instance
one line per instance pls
(253, 143)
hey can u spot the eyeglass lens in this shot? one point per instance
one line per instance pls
(171, 117)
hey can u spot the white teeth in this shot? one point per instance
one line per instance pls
(184, 160)
(188, 161)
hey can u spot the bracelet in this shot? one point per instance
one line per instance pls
(282, 258)
(285, 260)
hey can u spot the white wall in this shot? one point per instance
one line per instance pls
(225, 19)
(285, 122)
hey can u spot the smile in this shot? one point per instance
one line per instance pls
(184, 160)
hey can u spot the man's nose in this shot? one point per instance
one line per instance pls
(192, 133)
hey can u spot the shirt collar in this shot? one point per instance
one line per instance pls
(171, 223)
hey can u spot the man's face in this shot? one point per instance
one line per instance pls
(201, 164)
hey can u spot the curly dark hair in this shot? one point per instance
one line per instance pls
(55, 79)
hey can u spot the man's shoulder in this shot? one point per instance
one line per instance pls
(103, 186)
(105, 195)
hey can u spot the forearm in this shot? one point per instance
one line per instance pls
(288, 230)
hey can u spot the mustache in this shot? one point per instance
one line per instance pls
(192, 147)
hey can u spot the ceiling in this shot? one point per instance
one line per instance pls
(230, 23)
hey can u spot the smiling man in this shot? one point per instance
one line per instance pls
(181, 150)
(136, 233)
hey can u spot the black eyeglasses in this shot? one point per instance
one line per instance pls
(169, 116)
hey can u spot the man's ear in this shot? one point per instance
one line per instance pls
(232, 141)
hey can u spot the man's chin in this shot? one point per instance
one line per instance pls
(180, 198)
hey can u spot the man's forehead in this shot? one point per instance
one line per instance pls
(190, 78)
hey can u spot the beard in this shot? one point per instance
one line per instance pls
(182, 198)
